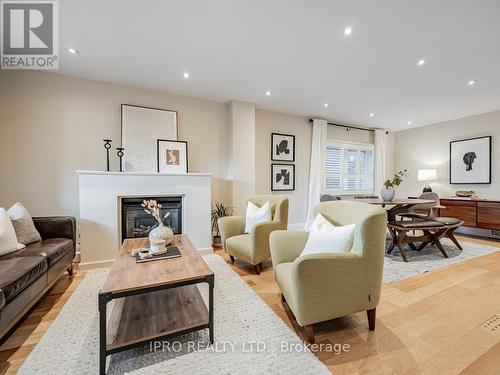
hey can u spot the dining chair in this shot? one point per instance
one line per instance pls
(431, 208)
(328, 198)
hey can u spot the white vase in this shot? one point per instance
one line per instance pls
(160, 237)
(387, 194)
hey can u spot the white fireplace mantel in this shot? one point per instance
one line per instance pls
(100, 194)
(114, 173)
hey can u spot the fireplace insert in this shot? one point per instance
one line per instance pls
(137, 223)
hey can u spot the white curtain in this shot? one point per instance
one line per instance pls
(380, 146)
(316, 168)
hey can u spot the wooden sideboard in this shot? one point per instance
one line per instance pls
(478, 213)
(463, 209)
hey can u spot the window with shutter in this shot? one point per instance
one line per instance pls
(333, 168)
(349, 168)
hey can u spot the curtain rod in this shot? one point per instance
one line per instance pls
(348, 127)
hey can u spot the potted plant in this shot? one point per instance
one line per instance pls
(219, 211)
(389, 192)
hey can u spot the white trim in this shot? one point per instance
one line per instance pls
(92, 265)
(478, 232)
(206, 251)
(141, 173)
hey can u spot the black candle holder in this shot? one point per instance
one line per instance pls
(120, 155)
(107, 146)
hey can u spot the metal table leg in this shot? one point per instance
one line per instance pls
(210, 281)
(103, 301)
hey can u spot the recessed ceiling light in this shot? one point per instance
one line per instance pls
(471, 83)
(348, 31)
(268, 93)
(186, 75)
(409, 122)
(421, 62)
(325, 105)
(371, 115)
(72, 51)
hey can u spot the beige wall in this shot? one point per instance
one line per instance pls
(51, 125)
(353, 135)
(242, 148)
(272, 122)
(268, 122)
(429, 147)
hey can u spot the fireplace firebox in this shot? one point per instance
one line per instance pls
(138, 223)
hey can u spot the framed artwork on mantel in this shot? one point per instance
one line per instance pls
(141, 128)
(470, 161)
(172, 156)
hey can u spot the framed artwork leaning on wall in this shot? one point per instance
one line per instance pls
(141, 127)
(470, 161)
(172, 156)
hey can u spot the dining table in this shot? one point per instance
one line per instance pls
(397, 206)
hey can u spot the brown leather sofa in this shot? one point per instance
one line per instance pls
(26, 275)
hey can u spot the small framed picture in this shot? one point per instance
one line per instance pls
(470, 161)
(282, 177)
(282, 147)
(172, 156)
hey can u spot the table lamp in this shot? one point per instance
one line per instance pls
(427, 175)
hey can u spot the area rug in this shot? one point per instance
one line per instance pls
(250, 338)
(430, 258)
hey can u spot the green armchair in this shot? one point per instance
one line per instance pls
(320, 287)
(253, 247)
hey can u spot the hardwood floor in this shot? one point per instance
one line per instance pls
(428, 324)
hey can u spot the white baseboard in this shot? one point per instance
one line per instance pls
(92, 265)
(478, 232)
(296, 226)
(206, 251)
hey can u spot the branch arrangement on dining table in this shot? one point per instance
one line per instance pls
(397, 179)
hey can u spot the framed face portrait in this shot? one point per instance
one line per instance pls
(470, 161)
(172, 156)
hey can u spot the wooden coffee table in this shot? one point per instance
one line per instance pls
(154, 300)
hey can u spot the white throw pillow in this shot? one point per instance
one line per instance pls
(325, 237)
(8, 239)
(23, 224)
(256, 215)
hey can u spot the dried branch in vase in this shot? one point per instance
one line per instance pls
(153, 208)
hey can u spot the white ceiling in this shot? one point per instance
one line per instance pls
(237, 50)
